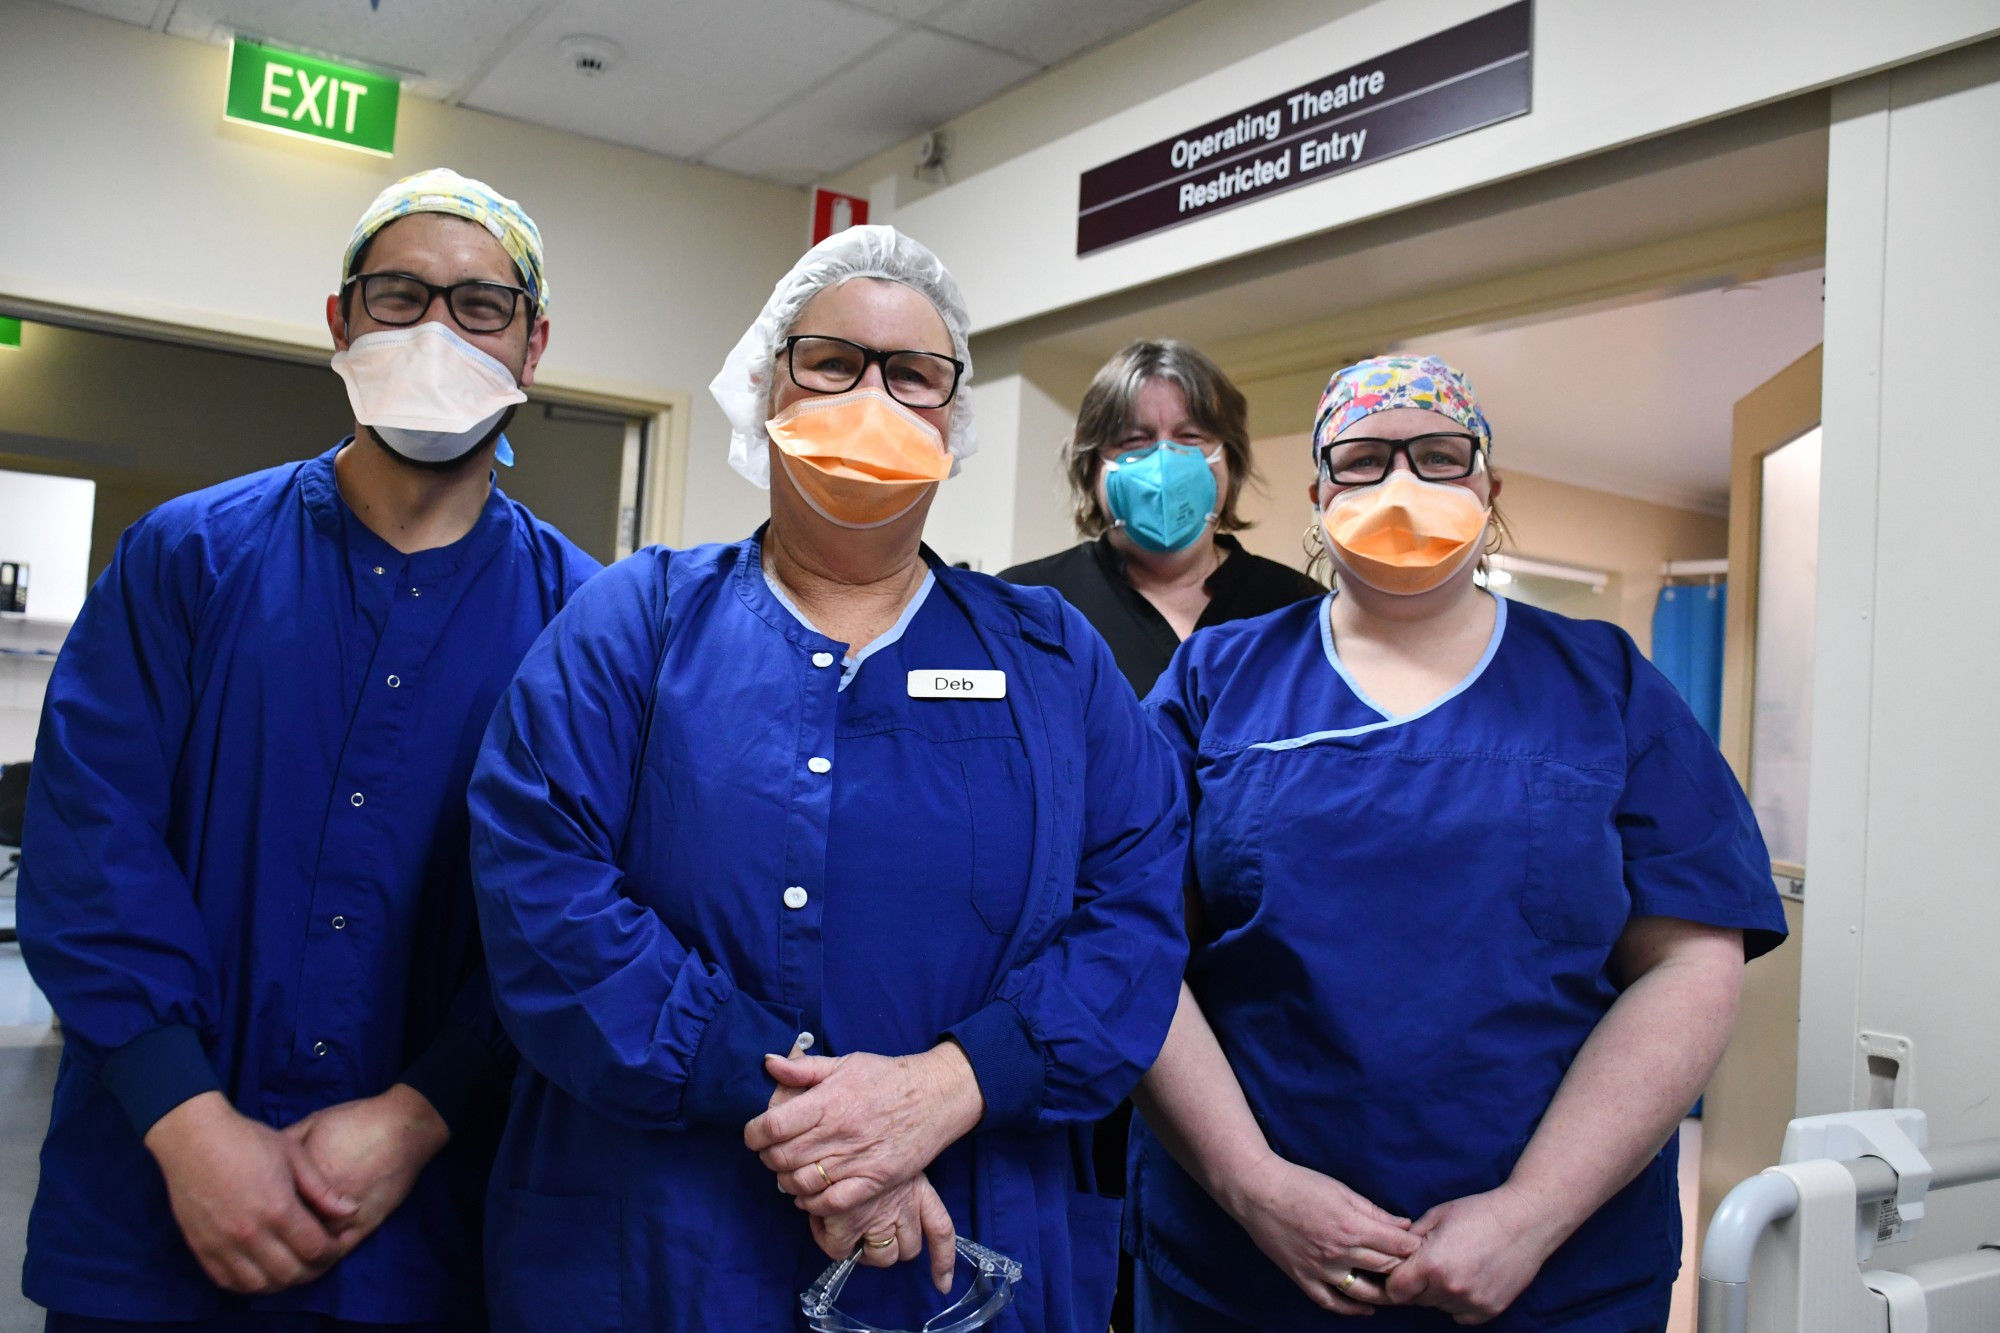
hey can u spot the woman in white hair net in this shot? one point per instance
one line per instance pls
(830, 892)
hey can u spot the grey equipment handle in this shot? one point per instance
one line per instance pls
(1763, 1199)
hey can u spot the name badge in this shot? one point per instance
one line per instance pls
(946, 684)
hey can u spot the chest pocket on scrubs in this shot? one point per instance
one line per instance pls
(1229, 837)
(1002, 808)
(1576, 866)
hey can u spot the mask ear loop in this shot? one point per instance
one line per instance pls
(1213, 517)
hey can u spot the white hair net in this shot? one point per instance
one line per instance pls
(743, 387)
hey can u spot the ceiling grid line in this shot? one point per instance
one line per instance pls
(499, 53)
(801, 95)
(921, 25)
(697, 81)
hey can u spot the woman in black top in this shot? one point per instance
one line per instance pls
(1160, 454)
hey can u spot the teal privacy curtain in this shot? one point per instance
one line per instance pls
(1687, 647)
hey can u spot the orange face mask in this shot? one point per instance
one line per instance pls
(1404, 535)
(863, 458)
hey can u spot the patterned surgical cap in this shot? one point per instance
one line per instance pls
(1383, 382)
(442, 190)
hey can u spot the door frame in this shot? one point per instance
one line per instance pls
(1770, 417)
(661, 471)
(1752, 1095)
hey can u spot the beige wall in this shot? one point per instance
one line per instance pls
(128, 193)
(1546, 520)
(1553, 520)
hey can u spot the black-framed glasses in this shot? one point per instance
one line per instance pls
(820, 364)
(1362, 461)
(399, 300)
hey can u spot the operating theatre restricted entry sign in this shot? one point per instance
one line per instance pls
(1465, 78)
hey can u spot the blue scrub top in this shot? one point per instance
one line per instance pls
(244, 870)
(1409, 924)
(691, 844)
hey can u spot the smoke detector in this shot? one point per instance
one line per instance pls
(590, 56)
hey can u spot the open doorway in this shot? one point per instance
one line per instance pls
(147, 419)
(98, 427)
(1612, 430)
(144, 419)
(1612, 314)
(100, 423)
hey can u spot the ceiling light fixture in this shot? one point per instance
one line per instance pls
(590, 56)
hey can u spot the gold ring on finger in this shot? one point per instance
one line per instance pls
(875, 1244)
(823, 1175)
(1346, 1284)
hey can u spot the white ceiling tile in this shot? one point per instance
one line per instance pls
(912, 85)
(693, 73)
(141, 12)
(1048, 31)
(907, 10)
(439, 44)
(760, 88)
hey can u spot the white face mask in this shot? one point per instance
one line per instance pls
(428, 393)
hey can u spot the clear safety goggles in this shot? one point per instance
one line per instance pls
(991, 1292)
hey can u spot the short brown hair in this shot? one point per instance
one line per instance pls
(1214, 404)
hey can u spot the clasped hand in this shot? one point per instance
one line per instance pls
(1478, 1254)
(1469, 1258)
(263, 1209)
(849, 1138)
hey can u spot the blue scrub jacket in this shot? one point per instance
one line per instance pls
(244, 870)
(1408, 923)
(655, 777)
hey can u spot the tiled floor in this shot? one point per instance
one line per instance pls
(27, 1077)
(29, 1050)
(21, 1005)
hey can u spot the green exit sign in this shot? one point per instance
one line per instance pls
(295, 93)
(10, 332)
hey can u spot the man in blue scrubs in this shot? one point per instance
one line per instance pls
(244, 879)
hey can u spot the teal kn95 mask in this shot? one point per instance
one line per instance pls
(1162, 495)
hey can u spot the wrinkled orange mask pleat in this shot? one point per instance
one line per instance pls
(1406, 535)
(865, 457)
(863, 435)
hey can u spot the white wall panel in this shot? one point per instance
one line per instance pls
(1903, 848)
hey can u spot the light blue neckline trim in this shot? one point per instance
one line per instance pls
(1340, 667)
(1389, 719)
(849, 666)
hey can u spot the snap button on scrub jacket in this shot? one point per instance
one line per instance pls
(246, 870)
(695, 841)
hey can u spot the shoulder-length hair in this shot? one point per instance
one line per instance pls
(1213, 403)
